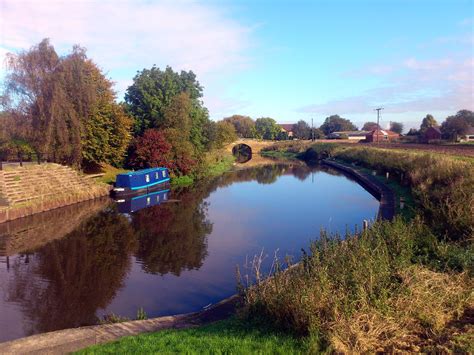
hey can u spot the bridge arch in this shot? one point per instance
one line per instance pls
(242, 152)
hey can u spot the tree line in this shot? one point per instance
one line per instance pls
(64, 109)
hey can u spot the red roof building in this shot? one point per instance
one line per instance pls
(381, 135)
(432, 133)
(287, 127)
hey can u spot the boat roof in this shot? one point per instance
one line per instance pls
(143, 171)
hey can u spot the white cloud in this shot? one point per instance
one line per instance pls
(126, 36)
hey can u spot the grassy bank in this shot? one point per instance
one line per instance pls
(213, 165)
(224, 337)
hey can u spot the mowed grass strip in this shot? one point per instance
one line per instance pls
(228, 336)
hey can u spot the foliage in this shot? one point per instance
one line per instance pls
(282, 136)
(348, 298)
(231, 336)
(266, 128)
(150, 150)
(225, 133)
(457, 125)
(396, 127)
(244, 125)
(152, 91)
(370, 126)
(428, 121)
(335, 123)
(66, 106)
(413, 132)
(302, 130)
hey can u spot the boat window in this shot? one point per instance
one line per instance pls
(156, 175)
(148, 200)
(147, 178)
(157, 198)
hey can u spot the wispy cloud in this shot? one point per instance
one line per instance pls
(414, 85)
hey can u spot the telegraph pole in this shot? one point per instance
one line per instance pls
(378, 124)
(312, 129)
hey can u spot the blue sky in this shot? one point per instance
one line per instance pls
(288, 60)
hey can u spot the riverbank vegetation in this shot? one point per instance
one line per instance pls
(405, 285)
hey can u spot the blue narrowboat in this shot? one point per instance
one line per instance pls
(141, 181)
(136, 203)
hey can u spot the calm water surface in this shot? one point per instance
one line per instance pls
(67, 267)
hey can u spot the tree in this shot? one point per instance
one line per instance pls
(150, 150)
(413, 132)
(335, 123)
(428, 121)
(225, 133)
(370, 126)
(152, 91)
(244, 125)
(396, 127)
(282, 136)
(318, 134)
(458, 125)
(68, 105)
(301, 130)
(267, 128)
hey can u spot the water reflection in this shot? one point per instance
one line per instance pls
(68, 266)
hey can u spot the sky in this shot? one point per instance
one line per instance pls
(288, 60)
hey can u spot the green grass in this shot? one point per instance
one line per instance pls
(224, 337)
(182, 181)
(110, 173)
(279, 154)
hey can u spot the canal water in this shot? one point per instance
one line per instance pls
(72, 266)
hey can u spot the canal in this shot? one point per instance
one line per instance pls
(72, 266)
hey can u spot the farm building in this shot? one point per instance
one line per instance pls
(381, 135)
(469, 136)
(432, 133)
(352, 135)
(287, 127)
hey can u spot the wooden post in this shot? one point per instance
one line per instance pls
(365, 225)
(387, 174)
(402, 202)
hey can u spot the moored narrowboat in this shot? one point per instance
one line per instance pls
(141, 181)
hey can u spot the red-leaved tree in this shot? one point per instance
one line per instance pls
(151, 150)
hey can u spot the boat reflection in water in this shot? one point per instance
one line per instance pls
(136, 203)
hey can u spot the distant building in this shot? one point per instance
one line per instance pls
(287, 127)
(352, 135)
(381, 135)
(431, 133)
(469, 136)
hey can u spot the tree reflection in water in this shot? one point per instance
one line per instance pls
(172, 236)
(67, 280)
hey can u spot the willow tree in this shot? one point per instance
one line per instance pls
(69, 105)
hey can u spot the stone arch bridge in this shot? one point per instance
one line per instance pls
(255, 145)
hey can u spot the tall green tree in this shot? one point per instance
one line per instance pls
(396, 127)
(301, 130)
(458, 125)
(335, 123)
(244, 125)
(152, 91)
(428, 121)
(266, 128)
(370, 126)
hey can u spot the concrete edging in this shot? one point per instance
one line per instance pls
(379, 190)
(73, 339)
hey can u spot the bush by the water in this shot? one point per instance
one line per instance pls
(364, 293)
